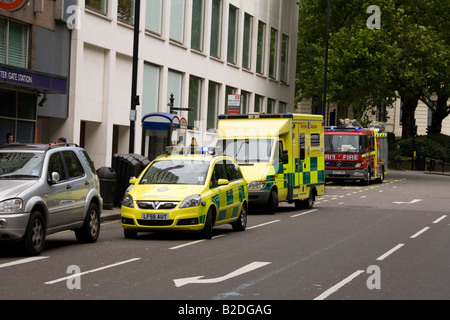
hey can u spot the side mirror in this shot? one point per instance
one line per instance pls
(55, 178)
(132, 180)
(223, 182)
(285, 157)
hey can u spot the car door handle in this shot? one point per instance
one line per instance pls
(86, 183)
(68, 187)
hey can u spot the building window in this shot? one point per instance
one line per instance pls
(284, 59)
(282, 107)
(177, 8)
(174, 86)
(150, 96)
(97, 5)
(13, 43)
(271, 106)
(228, 91)
(213, 105)
(18, 115)
(198, 18)
(153, 16)
(232, 34)
(125, 11)
(258, 103)
(216, 28)
(245, 102)
(260, 49)
(273, 53)
(195, 95)
(247, 44)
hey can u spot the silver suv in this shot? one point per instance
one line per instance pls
(46, 189)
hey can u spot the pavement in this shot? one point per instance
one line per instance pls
(110, 214)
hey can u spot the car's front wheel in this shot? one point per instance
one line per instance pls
(206, 233)
(90, 230)
(34, 239)
(241, 223)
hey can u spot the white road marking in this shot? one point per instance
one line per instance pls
(27, 260)
(303, 213)
(91, 271)
(419, 232)
(262, 224)
(388, 253)
(439, 219)
(411, 202)
(250, 267)
(336, 287)
(194, 242)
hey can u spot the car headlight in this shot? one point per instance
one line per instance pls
(257, 185)
(11, 206)
(358, 165)
(191, 201)
(127, 201)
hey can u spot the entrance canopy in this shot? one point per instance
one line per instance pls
(163, 121)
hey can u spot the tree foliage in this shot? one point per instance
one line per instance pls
(406, 57)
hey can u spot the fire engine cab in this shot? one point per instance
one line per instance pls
(355, 153)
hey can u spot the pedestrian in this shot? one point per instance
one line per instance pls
(62, 140)
(9, 137)
(193, 142)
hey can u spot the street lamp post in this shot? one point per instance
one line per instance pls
(134, 96)
(324, 102)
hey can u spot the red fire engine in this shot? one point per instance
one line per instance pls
(355, 153)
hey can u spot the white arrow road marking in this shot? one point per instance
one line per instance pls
(250, 267)
(412, 202)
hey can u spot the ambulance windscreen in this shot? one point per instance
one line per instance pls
(248, 151)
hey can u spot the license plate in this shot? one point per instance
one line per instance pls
(338, 172)
(155, 216)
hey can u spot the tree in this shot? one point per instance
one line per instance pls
(407, 57)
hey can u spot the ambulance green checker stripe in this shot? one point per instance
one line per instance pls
(229, 199)
(315, 174)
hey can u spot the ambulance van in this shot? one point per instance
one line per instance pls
(280, 155)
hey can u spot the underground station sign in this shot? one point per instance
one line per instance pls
(12, 5)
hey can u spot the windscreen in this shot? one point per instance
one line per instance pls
(344, 143)
(20, 165)
(248, 150)
(176, 172)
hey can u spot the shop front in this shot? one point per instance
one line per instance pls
(22, 91)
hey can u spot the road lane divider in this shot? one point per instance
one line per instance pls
(439, 219)
(419, 233)
(195, 242)
(262, 224)
(92, 271)
(303, 213)
(388, 253)
(339, 285)
(22, 261)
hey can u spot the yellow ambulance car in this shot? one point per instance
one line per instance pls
(188, 189)
(281, 156)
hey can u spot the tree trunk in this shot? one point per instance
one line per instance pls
(409, 105)
(440, 112)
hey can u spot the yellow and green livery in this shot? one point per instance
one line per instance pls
(186, 191)
(281, 156)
